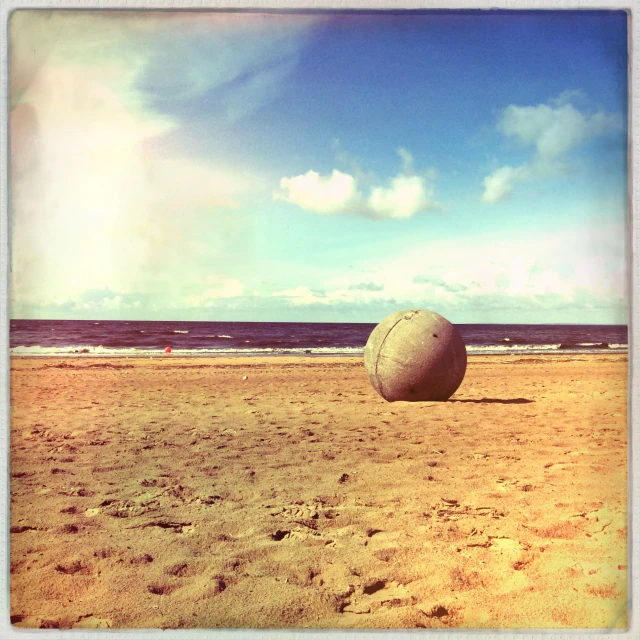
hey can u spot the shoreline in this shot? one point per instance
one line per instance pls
(551, 354)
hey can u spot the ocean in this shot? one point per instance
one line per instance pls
(88, 338)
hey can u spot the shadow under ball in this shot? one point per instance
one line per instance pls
(415, 355)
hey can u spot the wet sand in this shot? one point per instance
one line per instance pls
(283, 492)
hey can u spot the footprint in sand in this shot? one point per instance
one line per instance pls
(144, 558)
(280, 535)
(176, 527)
(73, 567)
(162, 588)
(436, 611)
(504, 544)
(376, 594)
(68, 528)
(21, 529)
(185, 569)
(92, 622)
(116, 509)
(49, 624)
(33, 622)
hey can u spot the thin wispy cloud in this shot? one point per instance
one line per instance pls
(552, 130)
(510, 272)
(252, 56)
(220, 288)
(94, 204)
(366, 286)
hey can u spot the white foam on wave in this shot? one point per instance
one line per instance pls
(597, 344)
(501, 348)
(87, 351)
(177, 331)
(132, 352)
(38, 350)
(541, 348)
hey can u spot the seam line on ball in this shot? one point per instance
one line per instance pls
(380, 353)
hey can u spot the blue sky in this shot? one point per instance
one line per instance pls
(329, 167)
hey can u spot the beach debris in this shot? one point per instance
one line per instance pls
(167, 350)
(343, 478)
(415, 355)
(245, 377)
(436, 451)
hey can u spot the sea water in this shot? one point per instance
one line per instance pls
(86, 338)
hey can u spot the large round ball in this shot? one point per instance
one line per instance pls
(415, 356)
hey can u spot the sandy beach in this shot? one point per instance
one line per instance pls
(284, 492)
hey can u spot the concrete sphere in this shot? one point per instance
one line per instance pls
(415, 356)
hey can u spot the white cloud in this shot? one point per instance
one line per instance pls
(333, 194)
(553, 130)
(339, 193)
(223, 288)
(508, 272)
(407, 160)
(301, 295)
(502, 182)
(568, 96)
(350, 294)
(407, 196)
(112, 303)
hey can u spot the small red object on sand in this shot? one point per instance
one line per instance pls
(167, 350)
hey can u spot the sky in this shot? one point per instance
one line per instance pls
(319, 166)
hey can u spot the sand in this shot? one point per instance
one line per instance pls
(283, 492)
